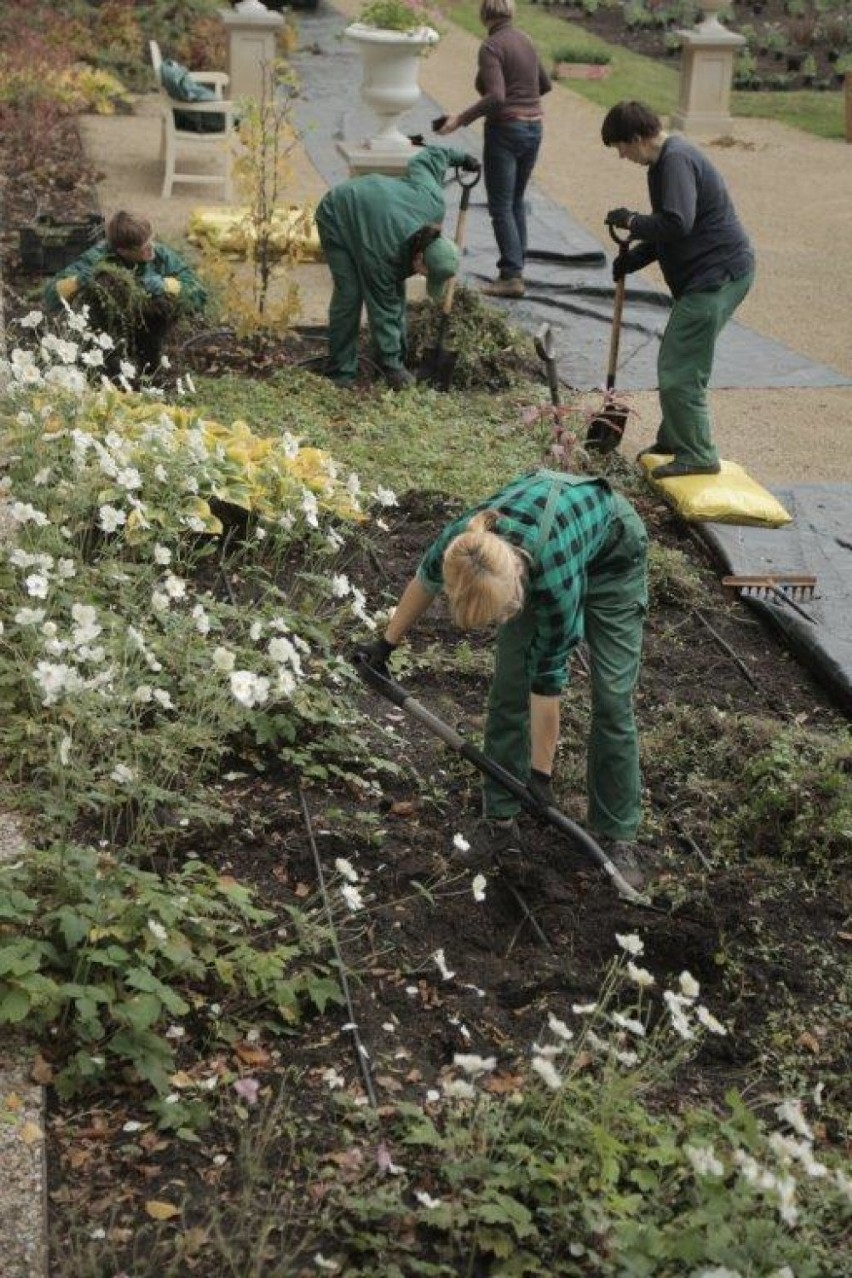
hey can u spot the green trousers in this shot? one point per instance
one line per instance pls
(614, 613)
(684, 365)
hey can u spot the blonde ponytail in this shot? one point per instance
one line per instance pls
(484, 576)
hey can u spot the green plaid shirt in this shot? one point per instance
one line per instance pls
(556, 587)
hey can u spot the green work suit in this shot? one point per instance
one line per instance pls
(365, 226)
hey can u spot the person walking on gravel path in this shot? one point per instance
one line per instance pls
(708, 264)
(375, 232)
(511, 82)
(134, 289)
(549, 559)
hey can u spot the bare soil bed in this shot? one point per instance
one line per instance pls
(790, 51)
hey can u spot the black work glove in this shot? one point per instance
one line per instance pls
(619, 217)
(624, 264)
(539, 786)
(416, 139)
(439, 122)
(375, 655)
(470, 164)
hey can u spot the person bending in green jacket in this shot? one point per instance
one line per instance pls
(134, 289)
(376, 231)
(549, 559)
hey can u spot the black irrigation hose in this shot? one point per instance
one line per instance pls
(360, 1050)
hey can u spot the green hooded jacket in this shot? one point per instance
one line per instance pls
(166, 264)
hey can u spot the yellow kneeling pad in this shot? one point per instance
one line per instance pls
(731, 497)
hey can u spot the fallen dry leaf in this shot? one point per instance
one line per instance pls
(809, 1041)
(159, 1210)
(31, 1133)
(250, 1054)
(41, 1072)
(403, 808)
(503, 1084)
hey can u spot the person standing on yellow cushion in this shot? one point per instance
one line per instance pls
(106, 277)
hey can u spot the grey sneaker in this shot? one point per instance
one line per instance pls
(496, 840)
(513, 287)
(625, 858)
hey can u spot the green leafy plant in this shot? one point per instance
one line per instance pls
(569, 53)
(398, 15)
(111, 958)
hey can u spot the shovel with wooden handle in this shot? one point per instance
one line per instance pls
(397, 695)
(607, 427)
(438, 363)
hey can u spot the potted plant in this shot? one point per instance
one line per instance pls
(391, 36)
(580, 64)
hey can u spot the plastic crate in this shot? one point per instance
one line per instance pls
(46, 246)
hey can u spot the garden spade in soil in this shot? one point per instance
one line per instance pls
(439, 363)
(397, 695)
(607, 426)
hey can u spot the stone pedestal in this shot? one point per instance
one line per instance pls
(390, 86)
(252, 30)
(707, 69)
(361, 159)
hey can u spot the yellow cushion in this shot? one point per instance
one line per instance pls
(229, 231)
(731, 497)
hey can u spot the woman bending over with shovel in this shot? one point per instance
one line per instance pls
(549, 559)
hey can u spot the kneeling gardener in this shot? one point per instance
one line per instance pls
(376, 231)
(548, 559)
(134, 288)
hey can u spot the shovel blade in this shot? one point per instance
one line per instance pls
(437, 368)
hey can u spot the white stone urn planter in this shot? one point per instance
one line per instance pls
(391, 61)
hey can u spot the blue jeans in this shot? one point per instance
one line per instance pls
(509, 158)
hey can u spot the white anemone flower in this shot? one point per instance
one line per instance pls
(37, 586)
(689, 987)
(440, 961)
(559, 1028)
(249, 689)
(639, 976)
(474, 1065)
(478, 887)
(353, 898)
(547, 1072)
(110, 519)
(224, 660)
(631, 944)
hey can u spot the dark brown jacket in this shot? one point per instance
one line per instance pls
(510, 78)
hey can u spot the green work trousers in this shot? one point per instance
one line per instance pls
(684, 365)
(614, 614)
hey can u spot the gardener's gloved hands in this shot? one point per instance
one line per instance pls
(375, 655)
(624, 264)
(153, 284)
(541, 789)
(470, 164)
(619, 217)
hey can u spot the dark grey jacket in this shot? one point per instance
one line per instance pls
(694, 232)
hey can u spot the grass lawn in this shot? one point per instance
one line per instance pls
(654, 81)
